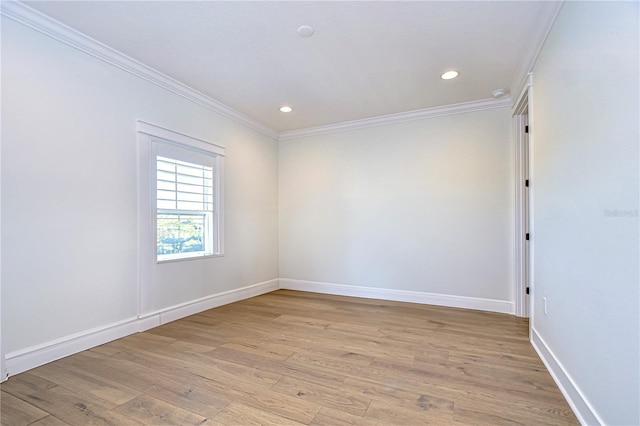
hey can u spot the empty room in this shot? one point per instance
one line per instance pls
(320, 212)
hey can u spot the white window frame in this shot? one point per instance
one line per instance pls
(175, 155)
(150, 137)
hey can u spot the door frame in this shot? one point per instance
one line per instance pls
(3, 368)
(522, 115)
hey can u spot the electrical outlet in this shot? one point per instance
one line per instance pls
(544, 299)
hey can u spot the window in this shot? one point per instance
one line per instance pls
(181, 194)
(184, 208)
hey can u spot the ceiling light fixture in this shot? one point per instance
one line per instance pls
(305, 31)
(286, 109)
(498, 93)
(449, 75)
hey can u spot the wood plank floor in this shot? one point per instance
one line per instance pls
(292, 358)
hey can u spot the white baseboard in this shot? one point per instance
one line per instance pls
(182, 310)
(35, 356)
(491, 305)
(26, 359)
(581, 407)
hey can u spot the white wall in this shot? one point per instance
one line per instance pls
(423, 206)
(586, 98)
(3, 373)
(69, 193)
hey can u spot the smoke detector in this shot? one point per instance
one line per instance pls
(498, 93)
(305, 31)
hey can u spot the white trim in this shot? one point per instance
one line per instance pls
(532, 191)
(521, 107)
(402, 117)
(581, 407)
(48, 26)
(524, 91)
(146, 231)
(147, 136)
(182, 310)
(220, 210)
(547, 17)
(35, 356)
(492, 305)
(32, 357)
(3, 370)
(40, 22)
(519, 223)
(181, 138)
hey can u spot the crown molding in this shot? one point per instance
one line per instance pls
(402, 117)
(40, 22)
(25, 15)
(547, 18)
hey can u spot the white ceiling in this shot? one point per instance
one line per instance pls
(366, 59)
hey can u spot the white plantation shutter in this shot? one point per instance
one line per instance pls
(184, 186)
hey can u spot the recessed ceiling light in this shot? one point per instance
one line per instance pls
(305, 31)
(286, 109)
(449, 75)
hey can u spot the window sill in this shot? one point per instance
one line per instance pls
(183, 259)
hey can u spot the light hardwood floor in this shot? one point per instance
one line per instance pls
(291, 358)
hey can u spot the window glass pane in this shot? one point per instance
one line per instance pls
(180, 233)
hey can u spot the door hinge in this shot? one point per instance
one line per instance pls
(527, 236)
(526, 129)
(526, 183)
(527, 290)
